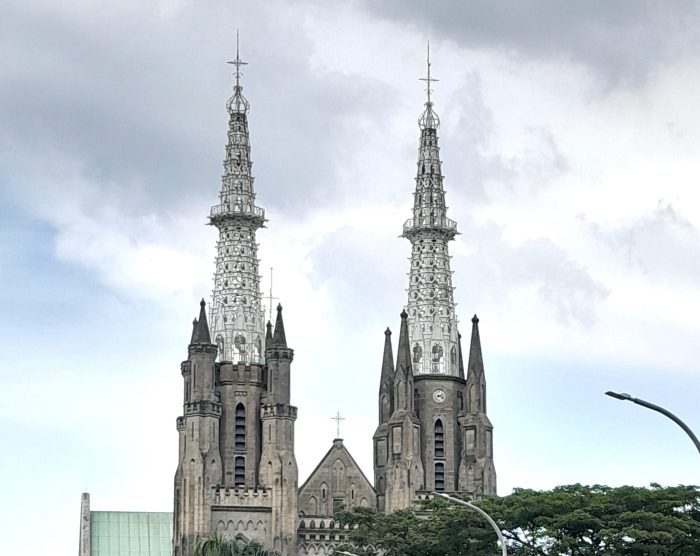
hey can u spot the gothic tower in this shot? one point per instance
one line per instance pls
(237, 473)
(398, 465)
(199, 466)
(431, 312)
(455, 434)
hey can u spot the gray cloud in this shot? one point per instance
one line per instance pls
(468, 151)
(357, 264)
(621, 41)
(662, 244)
(135, 100)
(496, 269)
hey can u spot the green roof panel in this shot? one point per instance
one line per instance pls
(131, 533)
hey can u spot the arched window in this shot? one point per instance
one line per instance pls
(439, 476)
(439, 439)
(239, 471)
(385, 409)
(240, 428)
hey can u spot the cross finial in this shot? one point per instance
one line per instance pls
(238, 63)
(337, 420)
(270, 297)
(428, 79)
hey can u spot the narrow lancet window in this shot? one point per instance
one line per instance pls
(240, 428)
(239, 471)
(439, 476)
(439, 439)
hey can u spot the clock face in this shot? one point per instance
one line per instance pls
(439, 395)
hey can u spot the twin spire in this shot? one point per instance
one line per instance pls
(200, 329)
(277, 338)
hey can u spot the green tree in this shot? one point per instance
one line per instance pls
(572, 520)
(216, 545)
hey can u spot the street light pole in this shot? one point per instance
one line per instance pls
(653, 407)
(488, 518)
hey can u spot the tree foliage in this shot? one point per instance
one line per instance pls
(216, 545)
(570, 520)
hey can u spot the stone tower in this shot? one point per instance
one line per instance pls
(455, 434)
(237, 473)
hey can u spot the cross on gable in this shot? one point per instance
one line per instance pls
(337, 420)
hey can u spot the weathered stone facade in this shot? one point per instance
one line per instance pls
(237, 472)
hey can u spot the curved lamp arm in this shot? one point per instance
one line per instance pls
(653, 407)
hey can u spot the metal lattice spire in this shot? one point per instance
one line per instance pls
(237, 318)
(432, 320)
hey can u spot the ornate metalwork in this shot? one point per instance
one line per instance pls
(431, 309)
(237, 317)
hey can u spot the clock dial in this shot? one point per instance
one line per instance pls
(439, 395)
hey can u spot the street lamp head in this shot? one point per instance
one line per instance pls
(619, 396)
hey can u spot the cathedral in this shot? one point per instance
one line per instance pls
(237, 470)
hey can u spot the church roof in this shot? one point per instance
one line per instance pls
(337, 446)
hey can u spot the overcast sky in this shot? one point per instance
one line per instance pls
(571, 145)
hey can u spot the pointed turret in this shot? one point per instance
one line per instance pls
(268, 335)
(403, 355)
(461, 357)
(279, 338)
(386, 382)
(403, 376)
(477, 473)
(387, 359)
(476, 361)
(200, 327)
